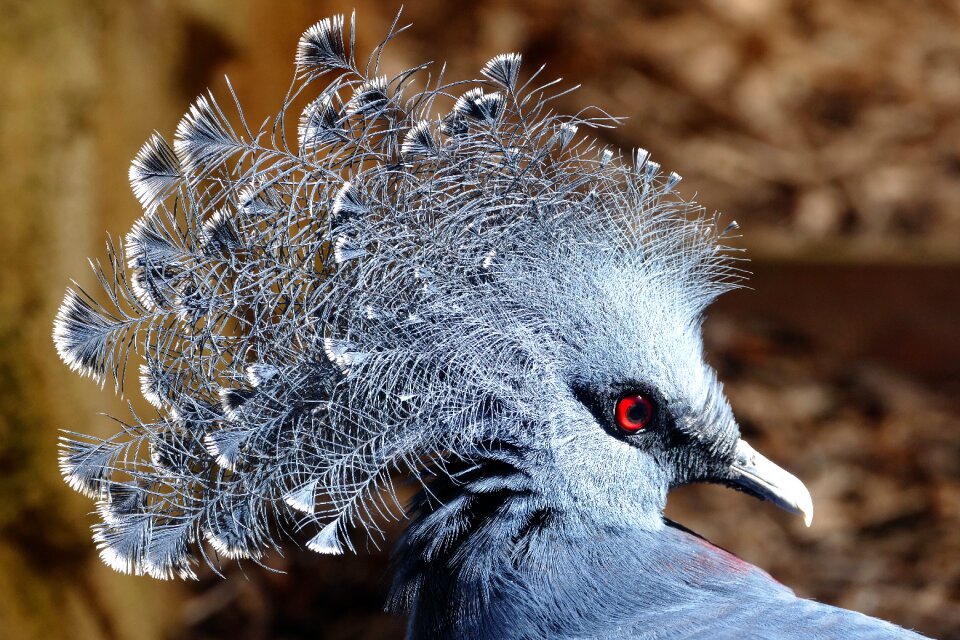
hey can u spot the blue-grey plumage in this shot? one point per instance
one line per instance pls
(658, 583)
(474, 297)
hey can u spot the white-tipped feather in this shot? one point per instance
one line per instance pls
(303, 498)
(257, 200)
(225, 459)
(154, 172)
(419, 140)
(466, 105)
(491, 106)
(80, 334)
(122, 549)
(322, 46)
(228, 549)
(370, 97)
(202, 140)
(565, 134)
(219, 232)
(148, 387)
(640, 159)
(651, 171)
(159, 571)
(503, 69)
(605, 157)
(343, 353)
(84, 465)
(327, 541)
(348, 202)
(115, 559)
(260, 373)
(672, 181)
(320, 124)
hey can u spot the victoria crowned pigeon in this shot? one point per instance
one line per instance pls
(445, 282)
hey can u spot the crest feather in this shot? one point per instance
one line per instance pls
(309, 322)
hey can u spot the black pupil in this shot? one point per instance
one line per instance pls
(638, 411)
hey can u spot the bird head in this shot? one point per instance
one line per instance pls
(583, 344)
(628, 407)
(402, 291)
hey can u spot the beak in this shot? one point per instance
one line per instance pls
(757, 475)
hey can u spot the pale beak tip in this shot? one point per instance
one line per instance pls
(803, 501)
(772, 483)
(806, 508)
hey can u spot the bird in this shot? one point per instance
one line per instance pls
(444, 285)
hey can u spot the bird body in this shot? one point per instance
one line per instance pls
(444, 282)
(664, 583)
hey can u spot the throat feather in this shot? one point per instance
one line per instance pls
(481, 516)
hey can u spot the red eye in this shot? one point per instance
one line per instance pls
(633, 413)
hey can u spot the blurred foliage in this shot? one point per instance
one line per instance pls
(829, 129)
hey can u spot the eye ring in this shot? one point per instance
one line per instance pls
(634, 412)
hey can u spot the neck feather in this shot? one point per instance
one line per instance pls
(487, 554)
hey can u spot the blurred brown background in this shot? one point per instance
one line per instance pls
(829, 129)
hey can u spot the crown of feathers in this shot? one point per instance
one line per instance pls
(314, 319)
